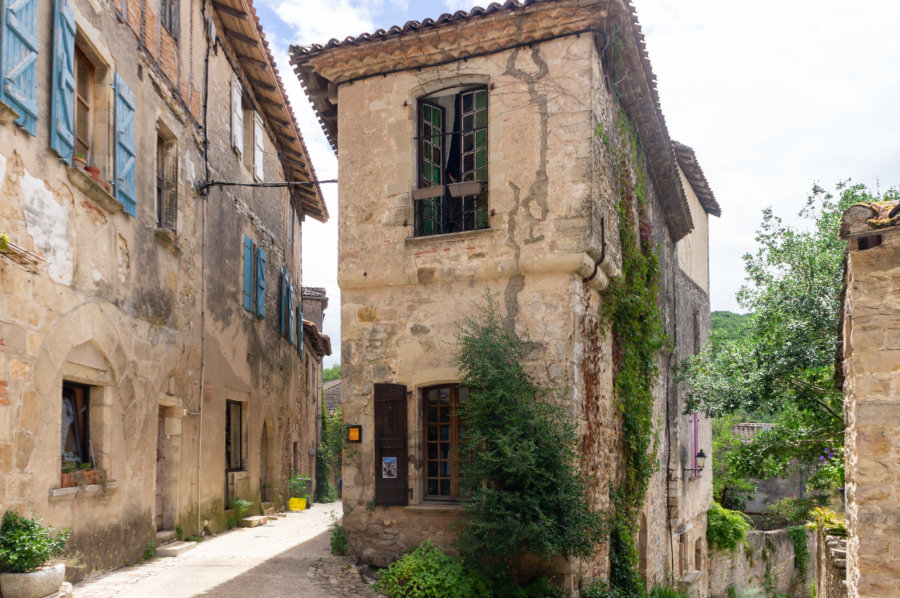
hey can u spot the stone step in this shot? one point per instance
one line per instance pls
(254, 521)
(175, 548)
(164, 536)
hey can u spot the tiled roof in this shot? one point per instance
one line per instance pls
(244, 32)
(687, 159)
(864, 219)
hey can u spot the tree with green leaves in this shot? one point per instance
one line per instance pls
(783, 362)
(517, 457)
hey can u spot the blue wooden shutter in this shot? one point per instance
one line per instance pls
(292, 330)
(283, 304)
(62, 105)
(260, 282)
(300, 332)
(248, 274)
(126, 189)
(18, 62)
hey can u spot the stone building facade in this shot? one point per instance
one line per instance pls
(476, 153)
(149, 325)
(869, 365)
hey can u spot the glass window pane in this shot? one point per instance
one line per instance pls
(481, 158)
(445, 451)
(481, 138)
(437, 176)
(445, 487)
(426, 131)
(426, 110)
(468, 162)
(445, 415)
(481, 175)
(445, 395)
(436, 155)
(469, 203)
(432, 451)
(480, 99)
(437, 118)
(468, 142)
(432, 487)
(468, 221)
(467, 100)
(445, 433)
(432, 414)
(432, 432)
(445, 469)
(426, 171)
(481, 118)
(468, 122)
(432, 469)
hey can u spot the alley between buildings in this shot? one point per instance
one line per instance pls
(288, 557)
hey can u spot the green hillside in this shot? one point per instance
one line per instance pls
(728, 323)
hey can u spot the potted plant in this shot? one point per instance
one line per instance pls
(25, 547)
(79, 161)
(69, 467)
(299, 487)
(94, 172)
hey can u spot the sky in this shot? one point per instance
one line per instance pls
(774, 96)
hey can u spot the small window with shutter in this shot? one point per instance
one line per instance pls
(258, 147)
(237, 117)
(166, 181)
(390, 433)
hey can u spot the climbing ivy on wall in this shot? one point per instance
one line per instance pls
(632, 312)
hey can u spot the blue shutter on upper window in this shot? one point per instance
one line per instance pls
(62, 88)
(292, 331)
(300, 332)
(260, 282)
(283, 303)
(126, 189)
(248, 274)
(18, 62)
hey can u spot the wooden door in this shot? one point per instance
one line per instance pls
(391, 486)
(160, 468)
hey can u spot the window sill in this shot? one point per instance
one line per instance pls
(94, 190)
(468, 234)
(168, 239)
(82, 492)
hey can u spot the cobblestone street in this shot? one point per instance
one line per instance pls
(290, 556)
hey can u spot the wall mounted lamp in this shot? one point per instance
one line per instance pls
(701, 461)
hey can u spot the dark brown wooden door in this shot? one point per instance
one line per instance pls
(391, 486)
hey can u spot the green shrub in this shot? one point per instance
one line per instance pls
(660, 591)
(798, 538)
(338, 540)
(601, 589)
(526, 495)
(149, 550)
(426, 572)
(829, 521)
(725, 530)
(240, 507)
(794, 511)
(25, 545)
(300, 486)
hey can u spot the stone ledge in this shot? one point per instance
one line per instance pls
(87, 185)
(168, 239)
(81, 492)
(447, 237)
(433, 508)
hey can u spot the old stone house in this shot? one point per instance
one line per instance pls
(478, 150)
(869, 368)
(150, 321)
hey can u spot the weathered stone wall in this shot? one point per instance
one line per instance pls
(767, 566)
(403, 298)
(872, 412)
(831, 566)
(143, 316)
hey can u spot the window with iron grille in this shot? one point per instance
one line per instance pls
(452, 139)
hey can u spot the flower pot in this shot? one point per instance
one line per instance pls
(297, 504)
(36, 584)
(94, 172)
(67, 480)
(79, 163)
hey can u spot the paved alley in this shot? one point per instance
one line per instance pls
(288, 557)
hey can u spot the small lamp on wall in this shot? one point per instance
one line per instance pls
(701, 460)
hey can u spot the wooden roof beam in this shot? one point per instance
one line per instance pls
(228, 10)
(240, 37)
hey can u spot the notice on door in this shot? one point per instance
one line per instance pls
(388, 468)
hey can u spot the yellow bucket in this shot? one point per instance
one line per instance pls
(297, 504)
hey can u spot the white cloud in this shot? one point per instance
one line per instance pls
(315, 21)
(454, 5)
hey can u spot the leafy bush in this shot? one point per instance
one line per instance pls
(25, 545)
(660, 591)
(794, 511)
(426, 572)
(601, 589)
(299, 486)
(149, 550)
(798, 538)
(525, 493)
(725, 530)
(339, 540)
(240, 507)
(828, 520)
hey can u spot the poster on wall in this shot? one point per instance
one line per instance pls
(389, 467)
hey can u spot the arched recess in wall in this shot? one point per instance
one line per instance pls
(269, 474)
(84, 348)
